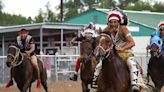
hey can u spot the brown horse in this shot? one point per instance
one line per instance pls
(155, 66)
(22, 69)
(114, 75)
(88, 63)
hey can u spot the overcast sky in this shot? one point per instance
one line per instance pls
(27, 7)
(30, 7)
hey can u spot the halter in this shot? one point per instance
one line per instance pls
(16, 62)
(107, 51)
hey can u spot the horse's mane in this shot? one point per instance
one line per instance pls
(105, 32)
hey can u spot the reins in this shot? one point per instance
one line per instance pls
(16, 61)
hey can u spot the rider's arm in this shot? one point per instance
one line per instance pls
(130, 42)
(76, 38)
(32, 45)
(73, 39)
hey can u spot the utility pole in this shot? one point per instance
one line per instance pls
(61, 11)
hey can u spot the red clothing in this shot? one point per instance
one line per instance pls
(77, 64)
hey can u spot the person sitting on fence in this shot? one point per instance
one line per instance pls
(27, 45)
(88, 34)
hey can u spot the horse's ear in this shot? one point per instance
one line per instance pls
(107, 32)
(11, 44)
(99, 31)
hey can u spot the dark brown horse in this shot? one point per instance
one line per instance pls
(22, 69)
(156, 66)
(114, 75)
(88, 63)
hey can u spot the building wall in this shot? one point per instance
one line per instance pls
(141, 44)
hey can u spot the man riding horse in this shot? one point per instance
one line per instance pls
(123, 42)
(27, 45)
(88, 34)
(159, 32)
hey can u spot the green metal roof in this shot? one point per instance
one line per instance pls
(146, 18)
(146, 21)
(88, 16)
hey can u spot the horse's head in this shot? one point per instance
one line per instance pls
(104, 47)
(13, 55)
(155, 46)
(87, 49)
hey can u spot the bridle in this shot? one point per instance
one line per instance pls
(156, 52)
(16, 57)
(106, 52)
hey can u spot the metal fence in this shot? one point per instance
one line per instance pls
(59, 67)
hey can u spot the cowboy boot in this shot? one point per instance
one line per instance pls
(74, 77)
(10, 82)
(77, 66)
(132, 65)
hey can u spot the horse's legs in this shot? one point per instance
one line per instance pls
(43, 77)
(44, 84)
(85, 87)
(30, 88)
(157, 89)
(26, 85)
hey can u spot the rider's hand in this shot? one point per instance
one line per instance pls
(119, 48)
(28, 53)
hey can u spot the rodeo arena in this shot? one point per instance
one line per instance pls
(59, 55)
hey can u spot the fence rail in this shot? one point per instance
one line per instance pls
(60, 67)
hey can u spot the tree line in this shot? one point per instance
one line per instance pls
(74, 7)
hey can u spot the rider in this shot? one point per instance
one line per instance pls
(88, 34)
(159, 32)
(27, 45)
(123, 42)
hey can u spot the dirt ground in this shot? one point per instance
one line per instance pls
(66, 86)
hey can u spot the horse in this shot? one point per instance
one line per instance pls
(155, 67)
(22, 69)
(88, 64)
(114, 75)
